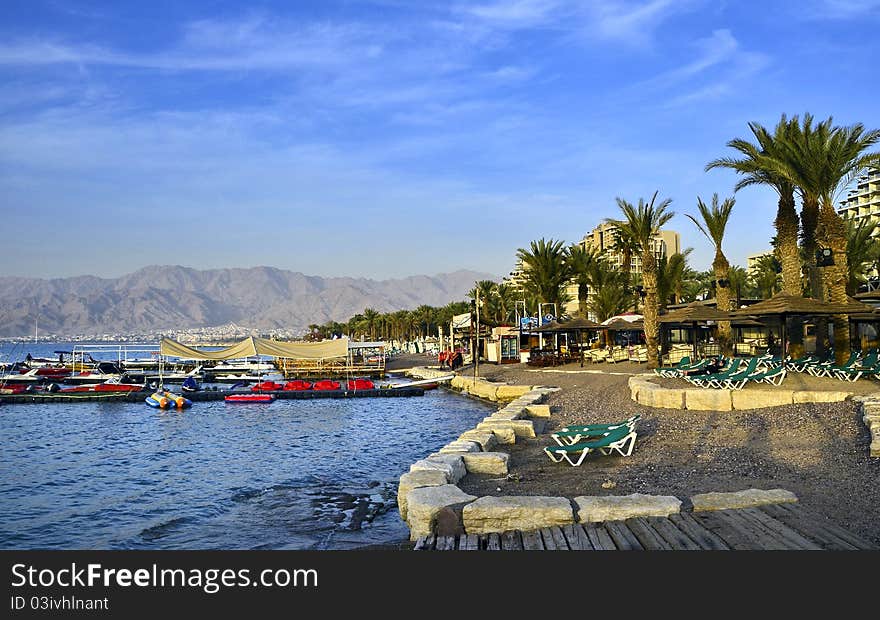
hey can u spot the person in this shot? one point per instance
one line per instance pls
(457, 360)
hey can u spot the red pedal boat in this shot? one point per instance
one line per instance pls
(266, 386)
(361, 384)
(326, 384)
(249, 398)
(297, 385)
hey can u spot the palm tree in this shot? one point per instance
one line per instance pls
(370, 319)
(580, 264)
(822, 161)
(506, 296)
(862, 251)
(757, 168)
(671, 274)
(765, 276)
(713, 226)
(641, 224)
(547, 271)
(739, 282)
(608, 301)
(625, 247)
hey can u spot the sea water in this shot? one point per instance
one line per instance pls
(293, 474)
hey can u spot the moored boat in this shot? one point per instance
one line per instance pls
(361, 384)
(326, 384)
(249, 398)
(297, 385)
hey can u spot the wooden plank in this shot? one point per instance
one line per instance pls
(424, 543)
(623, 538)
(581, 534)
(547, 537)
(734, 538)
(532, 541)
(446, 543)
(647, 537)
(559, 538)
(820, 530)
(468, 542)
(600, 538)
(494, 543)
(511, 540)
(784, 531)
(671, 534)
(752, 533)
(703, 537)
(571, 537)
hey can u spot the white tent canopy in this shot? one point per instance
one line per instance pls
(252, 346)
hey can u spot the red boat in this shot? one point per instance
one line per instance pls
(249, 398)
(326, 384)
(53, 372)
(361, 384)
(297, 385)
(107, 386)
(266, 386)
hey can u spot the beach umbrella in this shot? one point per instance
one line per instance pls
(692, 314)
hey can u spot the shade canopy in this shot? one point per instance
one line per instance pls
(252, 346)
(579, 323)
(620, 325)
(552, 326)
(783, 303)
(695, 312)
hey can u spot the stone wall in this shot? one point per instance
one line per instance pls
(646, 392)
(870, 409)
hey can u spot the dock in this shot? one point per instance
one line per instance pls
(776, 527)
(207, 395)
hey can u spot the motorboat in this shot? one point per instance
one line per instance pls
(110, 385)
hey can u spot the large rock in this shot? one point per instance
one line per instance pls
(450, 464)
(498, 514)
(521, 428)
(484, 389)
(425, 503)
(591, 509)
(414, 480)
(538, 411)
(741, 499)
(461, 445)
(486, 462)
(510, 392)
(758, 399)
(708, 399)
(486, 439)
(807, 396)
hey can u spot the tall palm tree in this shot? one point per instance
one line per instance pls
(371, 319)
(546, 271)
(671, 273)
(739, 283)
(713, 227)
(506, 296)
(625, 247)
(757, 168)
(862, 251)
(765, 276)
(822, 161)
(641, 224)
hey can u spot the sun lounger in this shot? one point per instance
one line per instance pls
(621, 440)
(738, 380)
(868, 366)
(774, 376)
(826, 369)
(716, 380)
(570, 435)
(681, 365)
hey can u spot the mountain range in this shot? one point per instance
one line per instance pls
(164, 298)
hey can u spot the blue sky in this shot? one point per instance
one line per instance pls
(387, 138)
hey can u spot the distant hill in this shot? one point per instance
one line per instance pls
(173, 297)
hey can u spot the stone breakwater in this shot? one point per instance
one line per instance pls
(648, 393)
(430, 501)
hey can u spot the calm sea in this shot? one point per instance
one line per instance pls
(294, 474)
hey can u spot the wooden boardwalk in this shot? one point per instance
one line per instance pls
(773, 527)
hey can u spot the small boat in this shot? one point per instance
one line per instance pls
(158, 400)
(249, 398)
(297, 385)
(190, 385)
(181, 402)
(107, 386)
(361, 384)
(326, 384)
(266, 386)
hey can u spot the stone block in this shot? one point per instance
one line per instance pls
(414, 480)
(521, 428)
(592, 509)
(509, 413)
(503, 431)
(741, 499)
(486, 462)
(708, 399)
(758, 399)
(538, 411)
(510, 392)
(450, 464)
(807, 396)
(484, 389)
(425, 503)
(498, 514)
(461, 445)
(486, 439)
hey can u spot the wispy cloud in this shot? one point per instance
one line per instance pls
(633, 22)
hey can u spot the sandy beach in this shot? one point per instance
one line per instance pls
(817, 451)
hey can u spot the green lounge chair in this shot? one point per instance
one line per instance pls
(571, 435)
(738, 380)
(825, 369)
(869, 365)
(774, 376)
(714, 380)
(621, 440)
(682, 364)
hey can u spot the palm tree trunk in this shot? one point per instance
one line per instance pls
(809, 224)
(787, 247)
(831, 232)
(722, 296)
(583, 294)
(651, 308)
